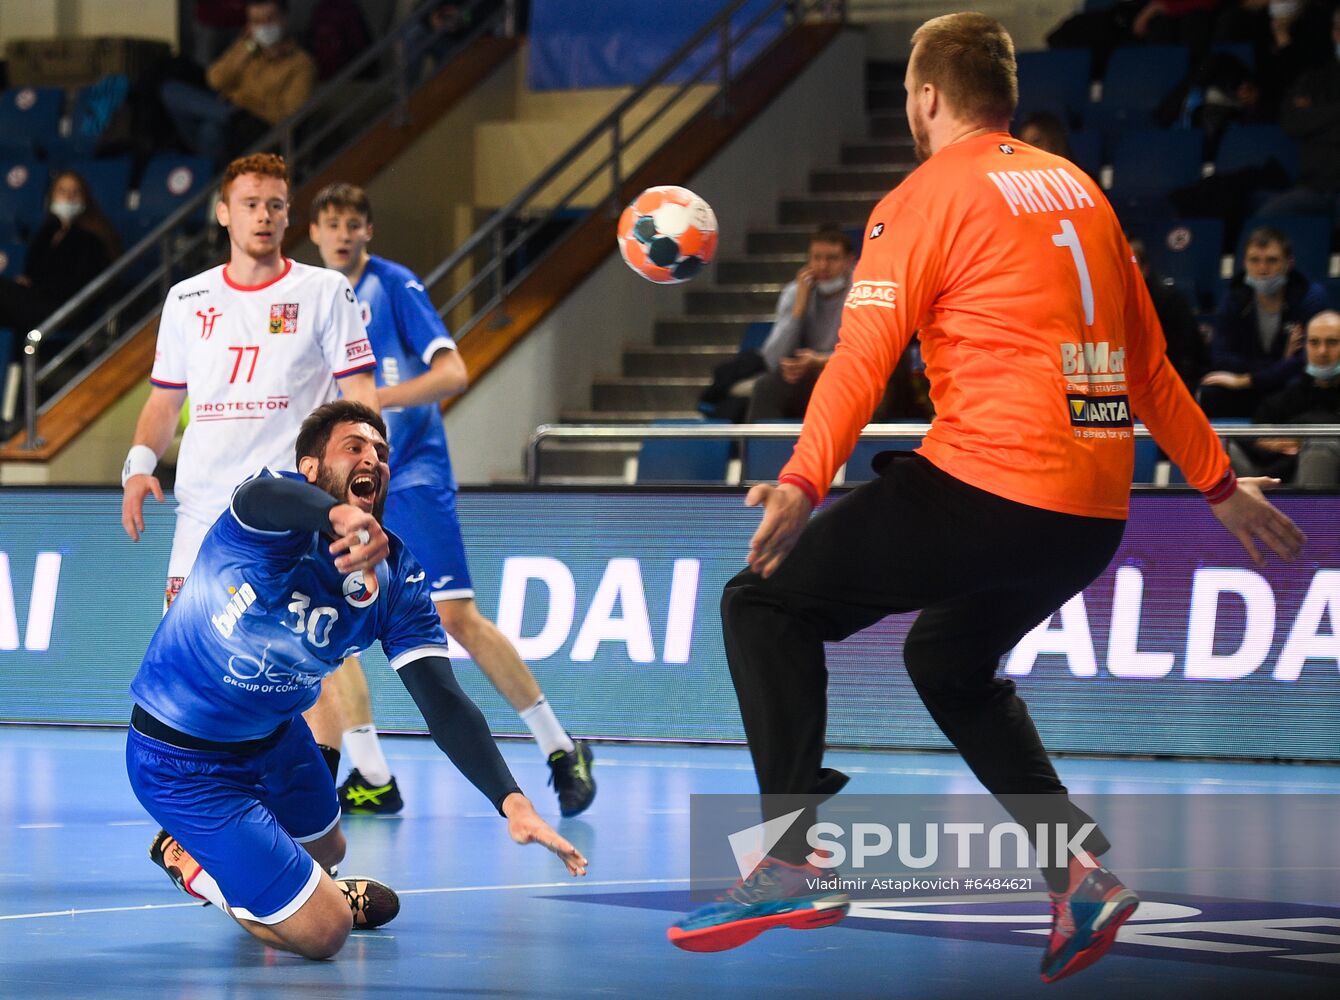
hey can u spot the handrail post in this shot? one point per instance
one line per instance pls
(509, 19)
(400, 72)
(500, 318)
(723, 94)
(31, 441)
(533, 460)
(165, 255)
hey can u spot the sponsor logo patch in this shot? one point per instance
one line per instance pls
(1111, 411)
(883, 294)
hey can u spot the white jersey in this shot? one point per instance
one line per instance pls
(255, 362)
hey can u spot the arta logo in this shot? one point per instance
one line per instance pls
(356, 593)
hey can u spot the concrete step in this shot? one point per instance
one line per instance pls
(675, 362)
(838, 209)
(772, 268)
(879, 152)
(860, 178)
(887, 125)
(885, 95)
(885, 71)
(720, 300)
(608, 460)
(646, 393)
(625, 416)
(779, 240)
(707, 331)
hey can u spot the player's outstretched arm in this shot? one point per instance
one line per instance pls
(460, 731)
(1249, 516)
(446, 377)
(153, 434)
(525, 826)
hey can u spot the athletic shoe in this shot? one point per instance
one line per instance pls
(360, 796)
(1085, 919)
(570, 776)
(168, 854)
(373, 903)
(777, 894)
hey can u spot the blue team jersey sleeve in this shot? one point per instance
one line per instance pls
(412, 628)
(417, 321)
(270, 554)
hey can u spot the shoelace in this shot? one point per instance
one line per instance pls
(753, 888)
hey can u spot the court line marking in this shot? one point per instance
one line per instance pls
(571, 883)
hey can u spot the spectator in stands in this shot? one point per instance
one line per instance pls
(809, 312)
(338, 34)
(1176, 22)
(260, 80)
(1257, 344)
(1045, 131)
(1311, 398)
(1311, 115)
(74, 244)
(1187, 349)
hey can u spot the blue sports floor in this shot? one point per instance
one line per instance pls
(83, 913)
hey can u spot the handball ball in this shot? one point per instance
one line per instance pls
(667, 234)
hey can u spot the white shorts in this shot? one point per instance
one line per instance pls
(187, 538)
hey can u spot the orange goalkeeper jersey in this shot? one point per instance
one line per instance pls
(1039, 336)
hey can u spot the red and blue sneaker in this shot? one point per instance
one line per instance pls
(776, 894)
(1085, 919)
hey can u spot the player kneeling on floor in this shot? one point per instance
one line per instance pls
(218, 751)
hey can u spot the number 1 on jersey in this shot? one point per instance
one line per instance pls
(1068, 238)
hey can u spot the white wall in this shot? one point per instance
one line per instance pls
(155, 19)
(551, 370)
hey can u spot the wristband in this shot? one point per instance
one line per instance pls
(140, 461)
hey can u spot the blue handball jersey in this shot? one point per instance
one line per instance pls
(405, 332)
(262, 618)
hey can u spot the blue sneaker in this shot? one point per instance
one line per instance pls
(777, 894)
(1085, 919)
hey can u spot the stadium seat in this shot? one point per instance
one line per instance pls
(1086, 150)
(109, 180)
(755, 334)
(1333, 292)
(1190, 252)
(1055, 80)
(683, 460)
(1243, 52)
(1139, 77)
(1146, 459)
(33, 112)
(94, 107)
(764, 457)
(23, 192)
(1152, 161)
(858, 465)
(1309, 234)
(1245, 146)
(12, 258)
(169, 181)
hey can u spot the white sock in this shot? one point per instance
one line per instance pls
(203, 885)
(545, 727)
(365, 753)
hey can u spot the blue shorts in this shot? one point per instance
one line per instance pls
(243, 818)
(425, 519)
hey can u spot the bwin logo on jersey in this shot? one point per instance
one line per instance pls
(1112, 411)
(243, 598)
(356, 595)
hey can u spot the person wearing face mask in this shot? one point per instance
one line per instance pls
(1311, 398)
(260, 80)
(809, 313)
(1256, 346)
(74, 244)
